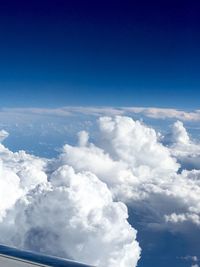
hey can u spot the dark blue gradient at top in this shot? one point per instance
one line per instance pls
(99, 53)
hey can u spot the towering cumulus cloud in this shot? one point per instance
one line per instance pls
(49, 207)
(76, 205)
(183, 148)
(139, 170)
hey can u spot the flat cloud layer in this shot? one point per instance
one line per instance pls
(151, 112)
(165, 113)
(75, 205)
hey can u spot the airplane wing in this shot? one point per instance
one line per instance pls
(11, 257)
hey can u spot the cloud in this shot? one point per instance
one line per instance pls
(179, 134)
(189, 258)
(86, 190)
(184, 217)
(165, 113)
(59, 211)
(67, 111)
(124, 159)
(193, 259)
(186, 151)
(135, 143)
(3, 135)
(138, 169)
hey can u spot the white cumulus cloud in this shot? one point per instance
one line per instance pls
(57, 210)
(83, 191)
(186, 151)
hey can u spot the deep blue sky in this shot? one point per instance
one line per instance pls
(144, 53)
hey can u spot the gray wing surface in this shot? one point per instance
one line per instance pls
(12, 257)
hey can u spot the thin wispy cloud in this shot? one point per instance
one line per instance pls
(165, 113)
(150, 112)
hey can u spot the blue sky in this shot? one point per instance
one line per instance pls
(99, 53)
(52, 95)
